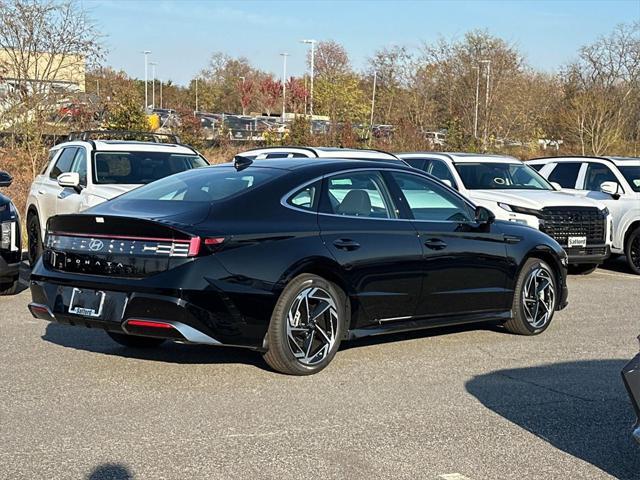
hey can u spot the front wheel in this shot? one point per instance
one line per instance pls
(535, 299)
(135, 341)
(306, 326)
(35, 239)
(632, 251)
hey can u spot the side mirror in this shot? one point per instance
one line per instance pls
(484, 215)
(556, 186)
(69, 180)
(5, 179)
(611, 188)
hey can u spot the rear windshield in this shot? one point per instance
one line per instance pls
(135, 168)
(206, 185)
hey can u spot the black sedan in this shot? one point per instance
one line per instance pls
(10, 248)
(291, 257)
(631, 378)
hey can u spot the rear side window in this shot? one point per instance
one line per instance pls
(207, 185)
(566, 174)
(306, 198)
(64, 162)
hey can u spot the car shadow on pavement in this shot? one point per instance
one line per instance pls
(578, 407)
(110, 471)
(94, 340)
(618, 264)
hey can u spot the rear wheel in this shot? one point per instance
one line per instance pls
(306, 326)
(632, 251)
(583, 268)
(535, 299)
(135, 341)
(35, 238)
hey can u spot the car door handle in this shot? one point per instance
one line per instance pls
(435, 244)
(40, 192)
(346, 244)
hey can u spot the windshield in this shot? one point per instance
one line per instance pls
(493, 176)
(208, 185)
(135, 168)
(632, 174)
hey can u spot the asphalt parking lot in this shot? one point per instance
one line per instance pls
(473, 402)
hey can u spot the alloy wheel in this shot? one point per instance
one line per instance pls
(634, 250)
(538, 297)
(312, 325)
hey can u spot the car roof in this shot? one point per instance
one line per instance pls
(128, 146)
(326, 166)
(462, 157)
(329, 152)
(569, 158)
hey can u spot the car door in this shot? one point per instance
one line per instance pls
(379, 254)
(464, 264)
(68, 199)
(48, 190)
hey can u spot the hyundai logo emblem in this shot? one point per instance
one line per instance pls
(95, 245)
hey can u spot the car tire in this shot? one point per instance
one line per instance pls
(34, 238)
(632, 251)
(9, 288)
(135, 341)
(299, 344)
(583, 268)
(531, 312)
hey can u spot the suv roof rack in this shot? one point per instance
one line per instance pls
(88, 135)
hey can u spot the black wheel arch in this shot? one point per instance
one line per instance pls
(548, 255)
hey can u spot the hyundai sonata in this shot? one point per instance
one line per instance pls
(290, 258)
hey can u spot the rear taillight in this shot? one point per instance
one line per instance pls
(149, 324)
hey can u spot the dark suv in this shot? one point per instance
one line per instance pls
(10, 248)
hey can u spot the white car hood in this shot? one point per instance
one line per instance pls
(535, 199)
(110, 191)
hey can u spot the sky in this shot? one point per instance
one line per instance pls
(182, 34)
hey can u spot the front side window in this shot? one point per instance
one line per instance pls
(64, 163)
(566, 174)
(431, 202)
(135, 168)
(358, 194)
(597, 174)
(80, 166)
(498, 175)
(209, 185)
(632, 174)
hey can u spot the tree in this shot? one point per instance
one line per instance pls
(270, 94)
(43, 44)
(296, 95)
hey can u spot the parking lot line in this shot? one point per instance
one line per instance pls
(453, 476)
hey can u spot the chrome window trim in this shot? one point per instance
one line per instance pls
(286, 204)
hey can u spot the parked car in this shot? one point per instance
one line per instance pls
(613, 181)
(10, 241)
(319, 152)
(85, 172)
(290, 257)
(515, 192)
(631, 378)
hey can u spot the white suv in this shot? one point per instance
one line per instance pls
(613, 181)
(84, 172)
(318, 152)
(515, 192)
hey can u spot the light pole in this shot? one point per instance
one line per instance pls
(153, 84)
(146, 54)
(160, 92)
(486, 103)
(313, 52)
(242, 95)
(284, 83)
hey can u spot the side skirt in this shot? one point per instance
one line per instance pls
(415, 323)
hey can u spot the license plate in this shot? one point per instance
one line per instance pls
(87, 303)
(577, 242)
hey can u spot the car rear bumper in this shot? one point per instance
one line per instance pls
(591, 254)
(631, 379)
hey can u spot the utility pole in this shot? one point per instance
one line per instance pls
(284, 83)
(373, 106)
(153, 84)
(486, 103)
(313, 66)
(146, 54)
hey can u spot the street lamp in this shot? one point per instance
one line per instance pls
(153, 84)
(146, 54)
(313, 51)
(284, 56)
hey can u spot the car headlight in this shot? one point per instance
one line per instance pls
(505, 206)
(524, 211)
